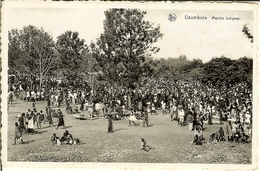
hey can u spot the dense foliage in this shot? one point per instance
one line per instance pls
(31, 51)
(71, 49)
(126, 41)
(122, 55)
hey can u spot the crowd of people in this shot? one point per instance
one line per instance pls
(188, 102)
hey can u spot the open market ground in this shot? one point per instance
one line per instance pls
(171, 142)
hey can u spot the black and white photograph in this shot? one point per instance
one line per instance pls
(132, 85)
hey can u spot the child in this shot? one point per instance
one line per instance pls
(18, 133)
(144, 146)
(54, 139)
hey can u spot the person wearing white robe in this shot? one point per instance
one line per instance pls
(31, 124)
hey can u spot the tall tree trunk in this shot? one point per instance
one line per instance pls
(40, 86)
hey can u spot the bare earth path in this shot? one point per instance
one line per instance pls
(171, 142)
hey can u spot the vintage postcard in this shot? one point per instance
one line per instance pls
(102, 85)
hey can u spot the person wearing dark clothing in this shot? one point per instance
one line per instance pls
(21, 121)
(144, 145)
(110, 124)
(221, 134)
(210, 119)
(60, 121)
(48, 102)
(197, 140)
(49, 118)
(67, 138)
(82, 104)
(18, 133)
(120, 110)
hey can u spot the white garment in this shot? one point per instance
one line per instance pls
(132, 118)
(30, 123)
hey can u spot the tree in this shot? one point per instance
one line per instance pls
(31, 51)
(172, 68)
(220, 72)
(126, 41)
(14, 51)
(71, 49)
(245, 70)
(246, 31)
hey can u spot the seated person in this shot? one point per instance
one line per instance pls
(67, 138)
(245, 138)
(215, 137)
(238, 135)
(144, 146)
(230, 138)
(212, 137)
(197, 140)
(221, 134)
(54, 139)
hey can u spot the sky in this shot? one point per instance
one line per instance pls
(196, 39)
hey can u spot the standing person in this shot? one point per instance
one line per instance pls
(110, 124)
(59, 100)
(49, 118)
(153, 109)
(60, 121)
(21, 121)
(52, 100)
(145, 117)
(190, 120)
(56, 100)
(31, 123)
(120, 110)
(132, 117)
(28, 96)
(33, 104)
(234, 128)
(39, 119)
(18, 133)
(10, 96)
(82, 104)
(48, 102)
(181, 117)
(173, 112)
(209, 118)
(90, 112)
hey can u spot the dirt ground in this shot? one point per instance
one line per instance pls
(171, 142)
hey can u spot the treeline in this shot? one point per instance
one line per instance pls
(122, 55)
(219, 71)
